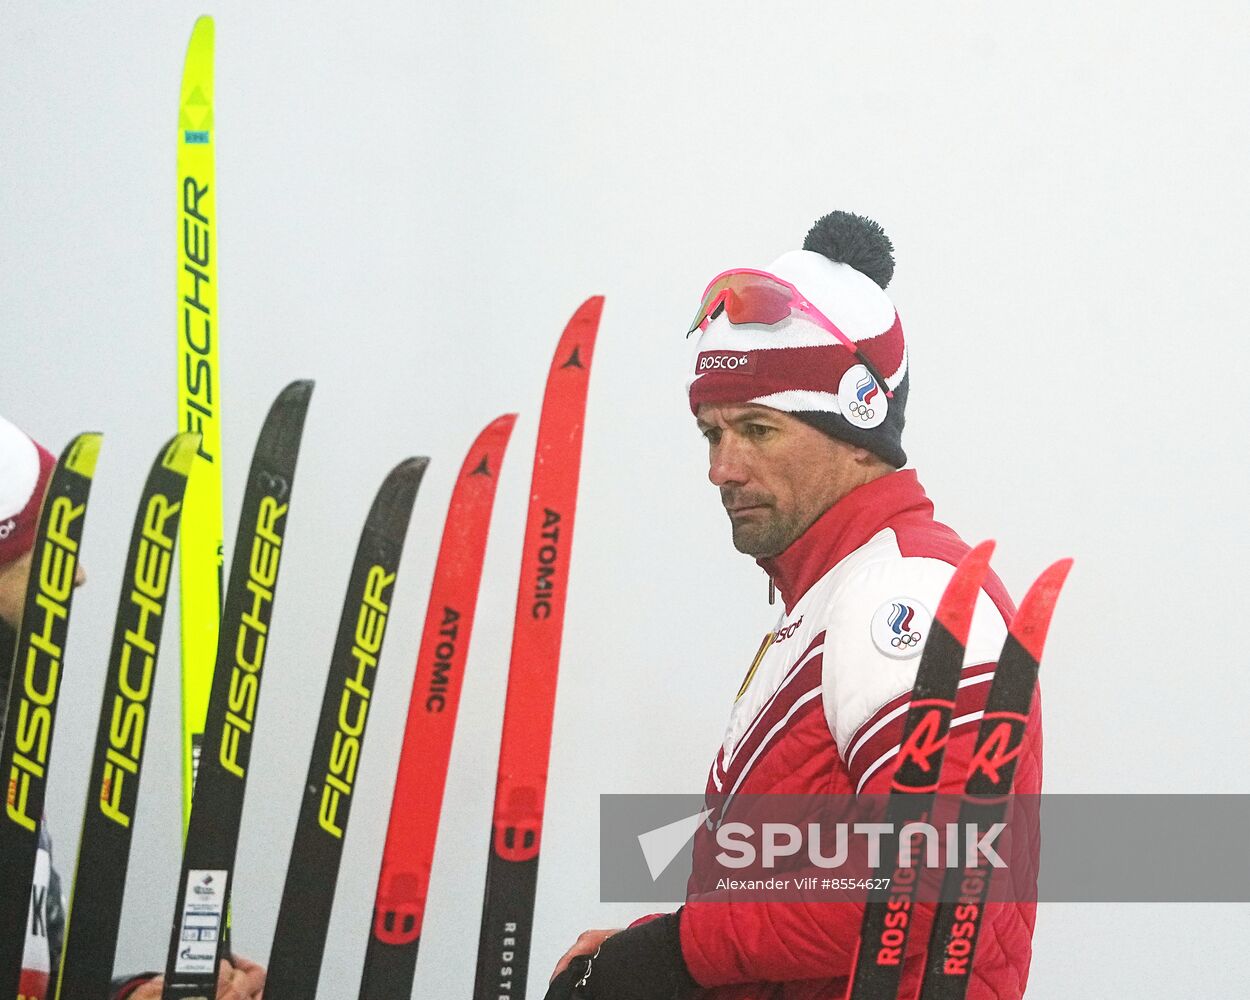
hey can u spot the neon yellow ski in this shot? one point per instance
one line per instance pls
(199, 400)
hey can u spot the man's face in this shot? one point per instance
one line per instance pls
(776, 474)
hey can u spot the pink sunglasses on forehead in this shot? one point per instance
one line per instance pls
(751, 296)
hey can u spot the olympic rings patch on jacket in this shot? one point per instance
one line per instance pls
(900, 627)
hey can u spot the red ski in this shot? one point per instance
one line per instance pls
(391, 954)
(957, 922)
(886, 921)
(521, 784)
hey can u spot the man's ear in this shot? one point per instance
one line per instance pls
(866, 459)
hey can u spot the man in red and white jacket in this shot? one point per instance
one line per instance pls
(25, 468)
(799, 385)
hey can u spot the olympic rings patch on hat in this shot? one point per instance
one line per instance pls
(900, 627)
(861, 399)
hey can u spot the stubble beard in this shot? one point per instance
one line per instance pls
(764, 534)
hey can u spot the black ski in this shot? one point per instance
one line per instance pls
(312, 872)
(32, 697)
(195, 940)
(887, 914)
(104, 851)
(957, 922)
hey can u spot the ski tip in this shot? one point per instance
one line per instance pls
(178, 453)
(413, 465)
(494, 436)
(397, 494)
(959, 599)
(592, 308)
(300, 390)
(407, 475)
(399, 488)
(200, 45)
(577, 342)
(586, 319)
(284, 423)
(486, 453)
(81, 454)
(1032, 620)
(293, 397)
(500, 427)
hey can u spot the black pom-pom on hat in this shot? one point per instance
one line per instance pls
(852, 239)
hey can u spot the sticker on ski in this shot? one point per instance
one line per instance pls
(200, 925)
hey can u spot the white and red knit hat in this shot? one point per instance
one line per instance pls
(799, 367)
(25, 467)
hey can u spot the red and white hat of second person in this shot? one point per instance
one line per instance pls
(25, 467)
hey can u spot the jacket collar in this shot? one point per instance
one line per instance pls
(842, 529)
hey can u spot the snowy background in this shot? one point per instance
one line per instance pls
(413, 198)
